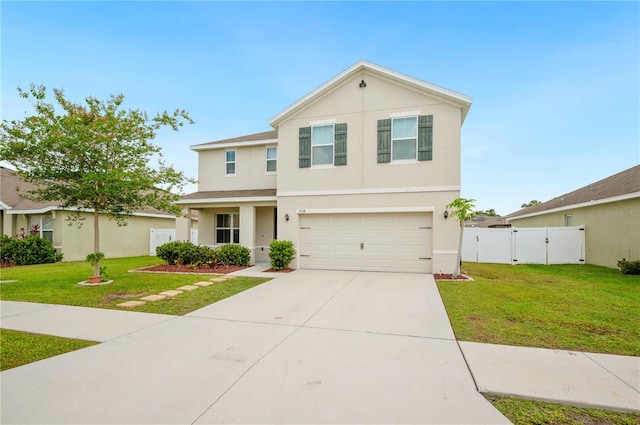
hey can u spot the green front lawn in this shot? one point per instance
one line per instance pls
(19, 348)
(527, 412)
(58, 284)
(572, 307)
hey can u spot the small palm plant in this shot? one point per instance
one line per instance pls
(463, 209)
(94, 259)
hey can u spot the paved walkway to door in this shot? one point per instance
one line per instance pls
(308, 346)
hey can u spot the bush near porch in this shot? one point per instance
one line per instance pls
(184, 252)
(572, 307)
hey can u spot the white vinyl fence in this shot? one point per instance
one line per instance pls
(161, 236)
(530, 245)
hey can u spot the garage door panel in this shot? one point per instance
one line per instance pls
(390, 242)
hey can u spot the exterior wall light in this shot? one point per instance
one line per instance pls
(446, 214)
(286, 218)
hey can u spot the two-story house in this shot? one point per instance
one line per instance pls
(357, 174)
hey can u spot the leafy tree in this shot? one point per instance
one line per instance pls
(489, 213)
(94, 157)
(530, 203)
(462, 208)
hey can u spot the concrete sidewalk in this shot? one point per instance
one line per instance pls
(305, 347)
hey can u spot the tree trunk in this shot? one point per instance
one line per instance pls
(459, 259)
(96, 240)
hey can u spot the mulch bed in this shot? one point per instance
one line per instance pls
(164, 268)
(449, 276)
(279, 271)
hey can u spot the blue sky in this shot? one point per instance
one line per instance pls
(555, 85)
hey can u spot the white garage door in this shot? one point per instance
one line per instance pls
(398, 242)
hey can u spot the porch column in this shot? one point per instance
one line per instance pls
(247, 229)
(8, 221)
(183, 226)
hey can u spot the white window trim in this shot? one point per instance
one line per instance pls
(333, 146)
(234, 162)
(231, 229)
(37, 219)
(410, 160)
(266, 165)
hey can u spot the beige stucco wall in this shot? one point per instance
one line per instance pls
(131, 240)
(360, 108)
(612, 230)
(251, 169)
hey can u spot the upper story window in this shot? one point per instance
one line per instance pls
(404, 138)
(230, 162)
(272, 159)
(322, 145)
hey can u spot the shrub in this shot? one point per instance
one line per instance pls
(26, 251)
(281, 254)
(629, 267)
(184, 252)
(234, 254)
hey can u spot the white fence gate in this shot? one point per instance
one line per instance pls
(531, 245)
(159, 237)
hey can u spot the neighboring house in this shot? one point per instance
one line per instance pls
(487, 221)
(609, 209)
(75, 243)
(357, 174)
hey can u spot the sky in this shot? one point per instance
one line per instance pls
(555, 85)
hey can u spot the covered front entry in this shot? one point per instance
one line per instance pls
(393, 242)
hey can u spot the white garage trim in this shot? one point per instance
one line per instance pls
(364, 210)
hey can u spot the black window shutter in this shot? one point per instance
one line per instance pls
(340, 157)
(304, 140)
(384, 140)
(425, 137)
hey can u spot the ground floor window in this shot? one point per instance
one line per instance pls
(227, 228)
(43, 225)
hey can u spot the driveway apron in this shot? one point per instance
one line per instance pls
(306, 347)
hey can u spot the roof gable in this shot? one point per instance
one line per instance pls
(624, 183)
(446, 95)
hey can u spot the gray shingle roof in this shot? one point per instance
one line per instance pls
(622, 183)
(11, 187)
(265, 135)
(220, 194)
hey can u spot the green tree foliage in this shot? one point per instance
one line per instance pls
(92, 157)
(462, 208)
(530, 204)
(489, 213)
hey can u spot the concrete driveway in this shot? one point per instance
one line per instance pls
(306, 347)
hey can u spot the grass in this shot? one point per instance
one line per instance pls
(19, 348)
(572, 307)
(527, 412)
(58, 284)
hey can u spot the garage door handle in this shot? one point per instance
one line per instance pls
(424, 258)
(305, 255)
